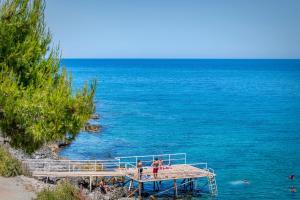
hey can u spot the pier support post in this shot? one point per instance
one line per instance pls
(140, 190)
(90, 183)
(130, 184)
(184, 184)
(154, 186)
(190, 184)
(175, 188)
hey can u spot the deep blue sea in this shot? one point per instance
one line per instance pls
(240, 116)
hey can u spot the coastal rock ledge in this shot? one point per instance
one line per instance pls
(95, 116)
(94, 128)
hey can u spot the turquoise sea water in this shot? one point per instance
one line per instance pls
(240, 116)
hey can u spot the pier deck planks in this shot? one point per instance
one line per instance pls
(173, 172)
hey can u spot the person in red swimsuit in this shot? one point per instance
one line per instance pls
(155, 166)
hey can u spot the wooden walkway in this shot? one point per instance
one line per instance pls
(183, 171)
(175, 167)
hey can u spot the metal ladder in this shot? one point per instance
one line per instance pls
(212, 184)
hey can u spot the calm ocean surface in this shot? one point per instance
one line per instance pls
(240, 116)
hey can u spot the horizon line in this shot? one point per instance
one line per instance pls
(166, 58)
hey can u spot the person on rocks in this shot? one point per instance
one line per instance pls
(103, 187)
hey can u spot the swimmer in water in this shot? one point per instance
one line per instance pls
(293, 189)
(292, 177)
(240, 182)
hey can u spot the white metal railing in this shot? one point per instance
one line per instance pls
(212, 183)
(210, 171)
(147, 160)
(129, 164)
(45, 165)
(167, 172)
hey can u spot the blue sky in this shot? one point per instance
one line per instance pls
(175, 28)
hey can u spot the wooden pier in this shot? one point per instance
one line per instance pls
(174, 168)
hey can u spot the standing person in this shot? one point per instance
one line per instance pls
(155, 166)
(140, 168)
(161, 164)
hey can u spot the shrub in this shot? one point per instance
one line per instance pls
(9, 166)
(63, 191)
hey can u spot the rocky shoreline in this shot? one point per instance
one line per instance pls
(51, 151)
(46, 152)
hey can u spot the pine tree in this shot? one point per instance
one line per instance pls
(37, 104)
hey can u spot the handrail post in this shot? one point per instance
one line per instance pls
(136, 161)
(69, 166)
(95, 165)
(185, 158)
(169, 159)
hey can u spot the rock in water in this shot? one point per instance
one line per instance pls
(92, 128)
(95, 116)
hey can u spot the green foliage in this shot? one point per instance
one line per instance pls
(37, 104)
(9, 166)
(63, 191)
